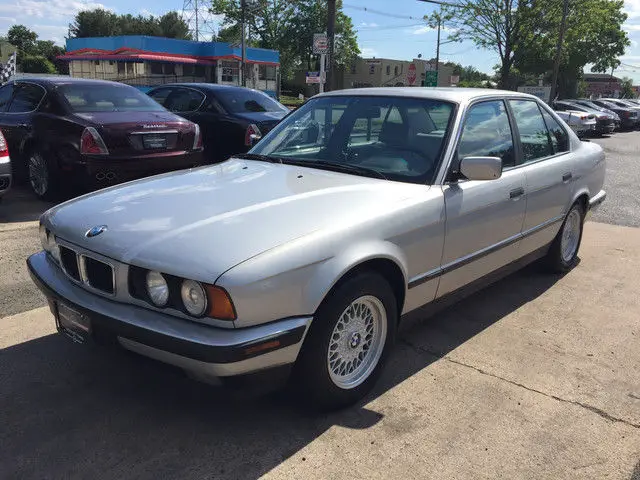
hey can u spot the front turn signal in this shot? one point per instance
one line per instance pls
(220, 304)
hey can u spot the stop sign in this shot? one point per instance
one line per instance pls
(411, 74)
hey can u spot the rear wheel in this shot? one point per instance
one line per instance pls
(563, 253)
(43, 176)
(348, 342)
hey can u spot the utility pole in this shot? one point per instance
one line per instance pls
(243, 6)
(331, 27)
(197, 23)
(556, 63)
(438, 51)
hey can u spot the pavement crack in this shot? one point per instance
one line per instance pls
(586, 406)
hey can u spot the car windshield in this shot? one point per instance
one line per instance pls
(397, 138)
(104, 97)
(592, 105)
(238, 100)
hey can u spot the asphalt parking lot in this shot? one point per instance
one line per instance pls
(534, 377)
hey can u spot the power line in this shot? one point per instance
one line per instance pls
(388, 27)
(380, 12)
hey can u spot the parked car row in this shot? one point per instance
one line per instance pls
(601, 116)
(68, 133)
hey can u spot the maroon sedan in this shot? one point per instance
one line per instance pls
(90, 134)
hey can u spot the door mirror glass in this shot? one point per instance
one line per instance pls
(481, 168)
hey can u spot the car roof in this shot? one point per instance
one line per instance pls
(451, 94)
(55, 80)
(207, 86)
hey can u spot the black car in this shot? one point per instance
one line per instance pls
(605, 123)
(231, 118)
(629, 117)
(72, 132)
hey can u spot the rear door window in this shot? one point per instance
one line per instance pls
(27, 98)
(534, 136)
(184, 100)
(559, 136)
(160, 95)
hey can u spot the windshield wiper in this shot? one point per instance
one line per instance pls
(338, 167)
(259, 157)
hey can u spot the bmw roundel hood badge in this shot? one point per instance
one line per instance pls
(95, 231)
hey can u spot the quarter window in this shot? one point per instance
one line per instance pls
(559, 137)
(534, 136)
(5, 97)
(27, 98)
(487, 133)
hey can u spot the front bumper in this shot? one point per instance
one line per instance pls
(198, 348)
(596, 200)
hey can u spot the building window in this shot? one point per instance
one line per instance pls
(193, 70)
(130, 67)
(395, 70)
(121, 68)
(162, 68)
(388, 69)
(372, 69)
(353, 68)
(97, 62)
(266, 72)
(230, 71)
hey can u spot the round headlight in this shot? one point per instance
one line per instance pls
(194, 297)
(157, 288)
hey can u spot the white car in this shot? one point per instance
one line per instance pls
(580, 122)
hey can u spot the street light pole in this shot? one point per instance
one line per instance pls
(556, 63)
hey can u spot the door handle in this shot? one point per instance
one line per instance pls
(566, 177)
(516, 193)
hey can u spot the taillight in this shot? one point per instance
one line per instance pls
(252, 135)
(4, 149)
(197, 138)
(91, 143)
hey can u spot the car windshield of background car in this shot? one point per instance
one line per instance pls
(398, 137)
(247, 101)
(86, 98)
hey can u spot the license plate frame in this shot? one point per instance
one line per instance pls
(72, 323)
(154, 141)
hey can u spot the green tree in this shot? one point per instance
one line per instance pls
(594, 35)
(23, 38)
(627, 88)
(288, 26)
(495, 25)
(103, 23)
(37, 64)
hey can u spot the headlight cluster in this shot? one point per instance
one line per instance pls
(193, 298)
(49, 244)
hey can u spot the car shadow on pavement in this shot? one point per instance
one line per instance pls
(21, 205)
(69, 411)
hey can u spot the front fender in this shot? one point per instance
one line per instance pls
(328, 273)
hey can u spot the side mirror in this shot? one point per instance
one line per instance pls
(481, 168)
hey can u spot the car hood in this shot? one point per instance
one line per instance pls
(201, 222)
(142, 118)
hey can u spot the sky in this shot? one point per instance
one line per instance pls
(386, 28)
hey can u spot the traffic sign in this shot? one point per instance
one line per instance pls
(431, 78)
(411, 74)
(320, 43)
(315, 77)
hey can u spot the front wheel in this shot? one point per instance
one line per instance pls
(563, 253)
(348, 342)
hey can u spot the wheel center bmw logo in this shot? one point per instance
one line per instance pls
(95, 231)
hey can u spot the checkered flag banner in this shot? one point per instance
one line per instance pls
(8, 69)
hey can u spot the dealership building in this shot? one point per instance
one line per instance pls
(149, 61)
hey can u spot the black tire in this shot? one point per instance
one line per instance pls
(43, 175)
(311, 376)
(555, 261)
